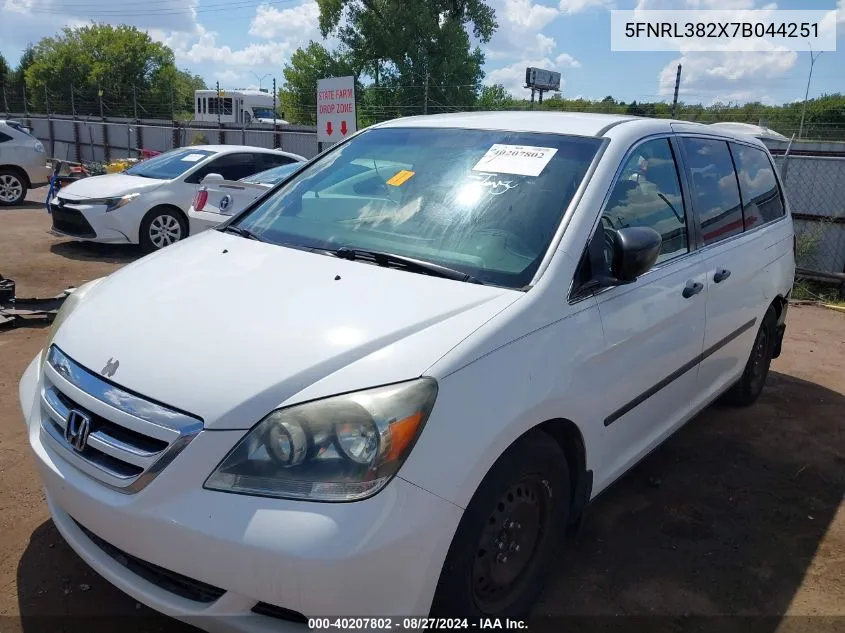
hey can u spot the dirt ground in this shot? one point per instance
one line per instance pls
(736, 523)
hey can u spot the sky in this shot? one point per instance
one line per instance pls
(246, 43)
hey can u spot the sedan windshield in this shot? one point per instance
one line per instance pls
(483, 202)
(169, 165)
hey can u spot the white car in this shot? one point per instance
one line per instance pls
(148, 203)
(217, 200)
(434, 368)
(23, 163)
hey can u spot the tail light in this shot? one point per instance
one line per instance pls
(200, 199)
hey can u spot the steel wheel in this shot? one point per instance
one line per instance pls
(509, 542)
(165, 230)
(11, 189)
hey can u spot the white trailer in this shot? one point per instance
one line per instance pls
(235, 106)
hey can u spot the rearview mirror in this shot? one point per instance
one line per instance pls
(211, 178)
(635, 251)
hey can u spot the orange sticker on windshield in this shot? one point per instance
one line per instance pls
(400, 177)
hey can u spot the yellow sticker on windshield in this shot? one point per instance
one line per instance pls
(400, 177)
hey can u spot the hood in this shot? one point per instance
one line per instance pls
(228, 328)
(108, 186)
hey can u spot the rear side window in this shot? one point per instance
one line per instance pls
(4, 137)
(230, 166)
(714, 187)
(648, 193)
(761, 198)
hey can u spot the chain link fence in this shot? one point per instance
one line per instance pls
(815, 187)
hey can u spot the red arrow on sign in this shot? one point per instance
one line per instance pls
(343, 127)
(329, 128)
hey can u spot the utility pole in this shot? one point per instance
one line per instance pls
(677, 85)
(100, 97)
(46, 102)
(532, 98)
(5, 100)
(72, 102)
(135, 101)
(813, 59)
(275, 95)
(25, 111)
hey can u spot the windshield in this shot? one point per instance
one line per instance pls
(483, 202)
(169, 165)
(274, 175)
(263, 113)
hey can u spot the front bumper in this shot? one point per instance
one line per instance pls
(88, 222)
(377, 557)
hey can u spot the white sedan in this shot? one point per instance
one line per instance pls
(148, 203)
(218, 199)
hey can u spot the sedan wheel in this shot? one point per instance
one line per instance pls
(12, 189)
(161, 228)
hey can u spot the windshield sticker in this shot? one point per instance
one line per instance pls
(400, 177)
(192, 158)
(495, 186)
(522, 160)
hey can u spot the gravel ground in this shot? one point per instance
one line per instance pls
(735, 523)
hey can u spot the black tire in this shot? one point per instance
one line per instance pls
(161, 227)
(749, 387)
(13, 187)
(529, 484)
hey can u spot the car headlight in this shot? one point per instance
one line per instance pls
(39, 147)
(70, 304)
(342, 448)
(112, 203)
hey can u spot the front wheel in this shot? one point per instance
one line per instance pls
(162, 227)
(504, 545)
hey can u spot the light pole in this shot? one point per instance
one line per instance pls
(813, 59)
(261, 78)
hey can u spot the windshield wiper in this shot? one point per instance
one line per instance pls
(408, 263)
(239, 230)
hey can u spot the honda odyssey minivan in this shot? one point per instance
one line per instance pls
(390, 385)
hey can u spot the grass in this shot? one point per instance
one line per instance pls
(805, 290)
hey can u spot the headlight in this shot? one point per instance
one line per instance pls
(342, 448)
(112, 203)
(70, 304)
(39, 147)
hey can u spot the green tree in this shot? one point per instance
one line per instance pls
(422, 46)
(494, 97)
(122, 63)
(298, 97)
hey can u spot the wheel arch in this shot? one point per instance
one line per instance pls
(165, 206)
(20, 172)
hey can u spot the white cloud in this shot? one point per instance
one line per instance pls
(727, 76)
(300, 22)
(695, 4)
(512, 77)
(565, 60)
(569, 7)
(524, 14)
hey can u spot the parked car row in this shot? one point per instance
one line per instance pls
(23, 163)
(150, 202)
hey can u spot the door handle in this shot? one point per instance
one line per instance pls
(721, 275)
(692, 289)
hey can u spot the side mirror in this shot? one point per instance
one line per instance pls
(211, 178)
(635, 251)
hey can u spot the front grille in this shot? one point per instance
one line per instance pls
(182, 586)
(70, 221)
(113, 435)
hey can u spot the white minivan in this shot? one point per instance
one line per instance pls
(391, 384)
